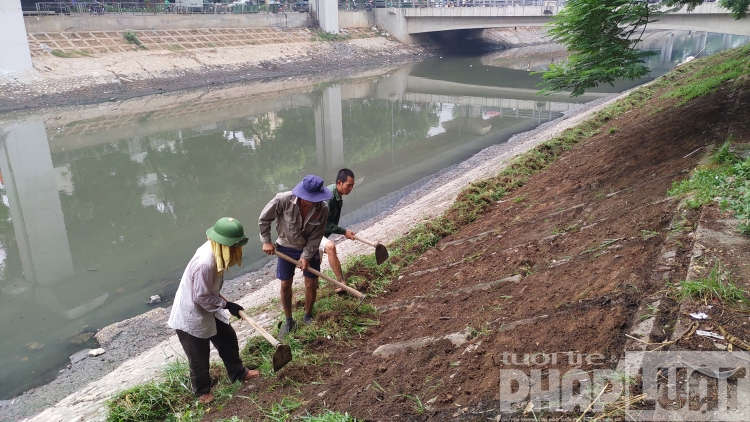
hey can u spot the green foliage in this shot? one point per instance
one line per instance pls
(738, 8)
(602, 36)
(725, 181)
(716, 285)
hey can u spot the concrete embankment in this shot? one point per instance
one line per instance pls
(87, 66)
(179, 60)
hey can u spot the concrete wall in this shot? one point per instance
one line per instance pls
(71, 23)
(356, 19)
(15, 51)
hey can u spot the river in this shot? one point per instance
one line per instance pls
(100, 213)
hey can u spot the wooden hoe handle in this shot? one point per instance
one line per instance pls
(354, 292)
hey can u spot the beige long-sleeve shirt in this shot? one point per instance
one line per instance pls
(198, 302)
(293, 231)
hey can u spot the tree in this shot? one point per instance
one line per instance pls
(602, 36)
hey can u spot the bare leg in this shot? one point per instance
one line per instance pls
(311, 292)
(286, 296)
(334, 263)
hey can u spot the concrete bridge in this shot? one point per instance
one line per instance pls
(410, 25)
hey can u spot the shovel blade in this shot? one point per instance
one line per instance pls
(281, 356)
(381, 254)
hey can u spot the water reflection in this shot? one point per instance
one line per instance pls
(102, 211)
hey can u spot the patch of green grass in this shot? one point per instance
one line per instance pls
(174, 47)
(726, 181)
(716, 70)
(71, 53)
(132, 38)
(328, 36)
(613, 130)
(716, 285)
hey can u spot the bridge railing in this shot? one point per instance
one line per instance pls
(406, 4)
(151, 8)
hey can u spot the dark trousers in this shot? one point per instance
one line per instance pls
(198, 352)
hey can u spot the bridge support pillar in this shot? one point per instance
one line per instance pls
(329, 129)
(15, 55)
(326, 13)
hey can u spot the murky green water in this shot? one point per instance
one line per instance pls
(100, 213)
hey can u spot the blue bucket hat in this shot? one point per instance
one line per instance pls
(312, 189)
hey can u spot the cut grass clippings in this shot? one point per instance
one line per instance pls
(158, 400)
(170, 397)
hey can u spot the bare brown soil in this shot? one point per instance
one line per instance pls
(585, 237)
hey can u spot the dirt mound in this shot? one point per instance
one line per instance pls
(549, 278)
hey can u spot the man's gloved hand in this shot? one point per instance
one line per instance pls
(234, 309)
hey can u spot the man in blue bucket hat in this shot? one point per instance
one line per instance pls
(198, 313)
(300, 216)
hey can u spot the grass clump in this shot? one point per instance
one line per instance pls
(132, 38)
(725, 181)
(717, 285)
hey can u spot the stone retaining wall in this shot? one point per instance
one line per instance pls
(78, 23)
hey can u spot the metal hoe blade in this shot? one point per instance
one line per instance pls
(381, 254)
(281, 356)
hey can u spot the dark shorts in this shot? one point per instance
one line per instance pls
(285, 269)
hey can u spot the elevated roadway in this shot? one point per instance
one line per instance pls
(410, 25)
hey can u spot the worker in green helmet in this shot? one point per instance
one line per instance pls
(199, 311)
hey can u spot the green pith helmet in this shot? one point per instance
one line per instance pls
(227, 231)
